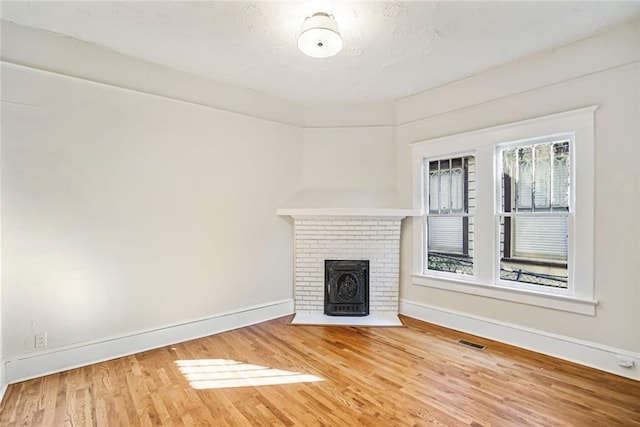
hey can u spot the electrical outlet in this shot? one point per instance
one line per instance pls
(40, 340)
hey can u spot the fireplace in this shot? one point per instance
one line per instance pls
(346, 287)
(327, 238)
(347, 226)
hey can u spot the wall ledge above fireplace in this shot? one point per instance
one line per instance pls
(354, 203)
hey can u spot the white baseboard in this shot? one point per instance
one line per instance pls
(29, 366)
(583, 352)
(3, 390)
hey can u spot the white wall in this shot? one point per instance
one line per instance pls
(349, 158)
(604, 71)
(349, 147)
(125, 211)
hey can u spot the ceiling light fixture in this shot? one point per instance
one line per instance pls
(319, 36)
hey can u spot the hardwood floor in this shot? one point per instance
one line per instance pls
(332, 376)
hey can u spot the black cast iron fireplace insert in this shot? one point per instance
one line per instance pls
(346, 290)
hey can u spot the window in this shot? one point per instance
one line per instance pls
(512, 218)
(534, 194)
(449, 219)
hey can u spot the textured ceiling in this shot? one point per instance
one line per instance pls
(391, 49)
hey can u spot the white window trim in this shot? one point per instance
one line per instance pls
(580, 296)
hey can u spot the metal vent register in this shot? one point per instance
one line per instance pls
(471, 344)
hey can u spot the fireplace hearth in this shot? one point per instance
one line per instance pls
(346, 288)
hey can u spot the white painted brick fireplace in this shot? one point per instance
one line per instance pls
(347, 225)
(319, 238)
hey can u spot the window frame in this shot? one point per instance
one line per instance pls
(570, 137)
(425, 214)
(580, 295)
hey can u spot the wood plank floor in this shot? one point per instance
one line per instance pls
(277, 374)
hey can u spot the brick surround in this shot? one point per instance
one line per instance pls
(318, 238)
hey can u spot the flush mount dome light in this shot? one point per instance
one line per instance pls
(319, 36)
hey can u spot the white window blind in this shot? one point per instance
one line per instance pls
(541, 237)
(445, 234)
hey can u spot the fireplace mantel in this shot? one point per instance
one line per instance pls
(381, 204)
(355, 212)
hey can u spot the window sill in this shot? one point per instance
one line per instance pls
(555, 302)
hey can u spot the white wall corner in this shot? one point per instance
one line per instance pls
(364, 114)
(582, 352)
(29, 366)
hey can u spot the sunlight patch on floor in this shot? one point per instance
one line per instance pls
(224, 373)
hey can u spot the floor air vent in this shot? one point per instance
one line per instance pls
(471, 344)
